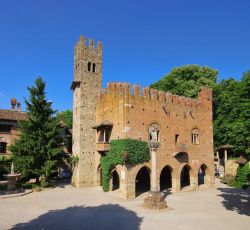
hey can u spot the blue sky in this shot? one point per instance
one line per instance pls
(142, 40)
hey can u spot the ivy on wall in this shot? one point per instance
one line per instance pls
(123, 151)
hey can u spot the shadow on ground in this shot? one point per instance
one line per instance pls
(107, 216)
(236, 200)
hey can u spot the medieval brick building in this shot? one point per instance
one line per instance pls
(184, 129)
(9, 125)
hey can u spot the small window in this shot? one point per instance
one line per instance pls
(3, 147)
(195, 136)
(177, 137)
(5, 128)
(93, 68)
(89, 66)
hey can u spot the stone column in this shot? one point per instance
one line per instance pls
(225, 155)
(155, 200)
(153, 170)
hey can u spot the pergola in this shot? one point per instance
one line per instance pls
(224, 148)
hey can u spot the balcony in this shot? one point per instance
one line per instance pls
(102, 146)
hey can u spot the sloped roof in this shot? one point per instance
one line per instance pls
(226, 146)
(12, 115)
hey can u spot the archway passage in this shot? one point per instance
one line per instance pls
(202, 174)
(142, 181)
(166, 178)
(115, 180)
(185, 177)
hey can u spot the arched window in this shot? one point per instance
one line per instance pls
(195, 136)
(3, 147)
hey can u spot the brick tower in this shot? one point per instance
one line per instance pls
(86, 88)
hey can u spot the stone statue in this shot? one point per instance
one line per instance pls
(153, 130)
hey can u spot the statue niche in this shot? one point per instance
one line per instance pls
(154, 133)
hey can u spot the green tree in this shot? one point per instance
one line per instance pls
(231, 102)
(232, 114)
(187, 80)
(36, 151)
(67, 117)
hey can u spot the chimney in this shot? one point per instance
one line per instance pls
(18, 106)
(13, 103)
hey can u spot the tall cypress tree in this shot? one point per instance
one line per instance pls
(36, 150)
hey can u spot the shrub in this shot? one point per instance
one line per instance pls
(136, 152)
(36, 187)
(242, 176)
(230, 180)
(45, 184)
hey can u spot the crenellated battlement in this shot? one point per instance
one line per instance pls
(125, 89)
(81, 46)
(82, 42)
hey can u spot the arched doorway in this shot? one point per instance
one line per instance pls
(202, 174)
(115, 180)
(166, 178)
(185, 177)
(142, 181)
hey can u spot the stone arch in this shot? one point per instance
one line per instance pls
(204, 176)
(185, 176)
(182, 157)
(142, 180)
(166, 178)
(115, 180)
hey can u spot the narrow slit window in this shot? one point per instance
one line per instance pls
(89, 66)
(93, 68)
(177, 138)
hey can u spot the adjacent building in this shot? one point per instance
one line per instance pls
(9, 125)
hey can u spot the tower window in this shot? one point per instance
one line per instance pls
(3, 147)
(93, 68)
(89, 66)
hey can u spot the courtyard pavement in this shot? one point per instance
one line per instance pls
(66, 207)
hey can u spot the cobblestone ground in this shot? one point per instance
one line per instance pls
(90, 208)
